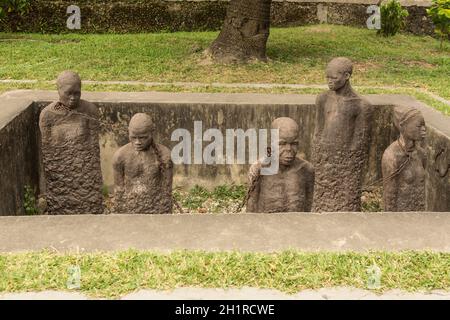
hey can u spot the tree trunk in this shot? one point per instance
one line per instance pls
(244, 33)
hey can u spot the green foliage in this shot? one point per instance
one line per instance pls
(439, 13)
(115, 274)
(9, 7)
(29, 201)
(392, 18)
(224, 198)
(105, 191)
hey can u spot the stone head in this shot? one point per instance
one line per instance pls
(338, 73)
(410, 122)
(69, 89)
(140, 131)
(288, 139)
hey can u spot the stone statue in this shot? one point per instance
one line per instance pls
(143, 172)
(71, 152)
(403, 163)
(341, 141)
(291, 189)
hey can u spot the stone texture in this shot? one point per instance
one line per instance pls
(291, 188)
(256, 232)
(244, 33)
(404, 164)
(71, 152)
(341, 142)
(19, 154)
(143, 172)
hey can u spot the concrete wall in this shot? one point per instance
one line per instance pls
(19, 154)
(171, 111)
(244, 113)
(123, 16)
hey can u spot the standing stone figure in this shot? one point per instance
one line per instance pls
(71, 152)
(291, 189)
(403, 163)
(341, 141)
(143, 172)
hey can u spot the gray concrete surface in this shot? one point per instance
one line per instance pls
(338, 293)
(244, 232)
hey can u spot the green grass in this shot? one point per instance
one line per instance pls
(229, 199)
(115, 274)
(298, 55)
(224, 198)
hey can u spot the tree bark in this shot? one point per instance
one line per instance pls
(244, 33)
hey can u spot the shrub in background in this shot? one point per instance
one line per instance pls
(439, 13)
(392, 18)
(13, 10)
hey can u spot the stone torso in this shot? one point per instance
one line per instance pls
(288, 190)
(404, 191)
(145, 187)
(71, 158)
(340, 151)
(340, 115)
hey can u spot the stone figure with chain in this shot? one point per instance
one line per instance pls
(403, 163)
(291, 189)
(143, 172)
(71, 152)
(341, 141)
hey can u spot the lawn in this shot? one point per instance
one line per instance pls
(115, 274)
(299, 56)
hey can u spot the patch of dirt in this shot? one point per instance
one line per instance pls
(418, 63)
(366, 66)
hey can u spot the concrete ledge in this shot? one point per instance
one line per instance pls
(433, 117)
(221, 232)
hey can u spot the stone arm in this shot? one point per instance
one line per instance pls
(309, 189)
(167, 177)
(45, 125)
(390, 185)
(363, 126)
(93, 119)
(119, 174)
(320, 117)
(254, 188)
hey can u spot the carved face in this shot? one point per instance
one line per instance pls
(140, 138)
(288, 145)
(414, 128)
(336, 79)
(70, 94)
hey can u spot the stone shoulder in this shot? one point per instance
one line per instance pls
(392, 155)
(166, 153)
(119, 155)
(88, 108)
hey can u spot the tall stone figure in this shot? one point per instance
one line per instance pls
(71, 152)
(342, 137)
(403, 163)
(291, 189)
(143, 172)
